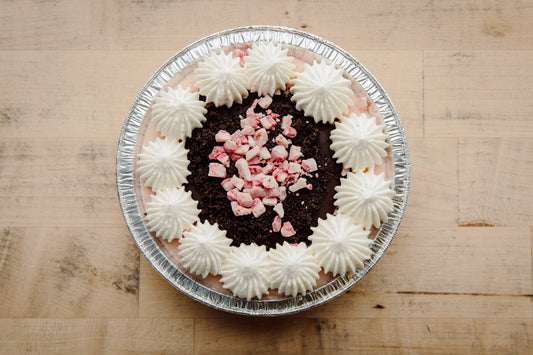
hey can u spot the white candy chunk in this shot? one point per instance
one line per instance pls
(252, 153)
(217, 170)
(309, 165)
(237, 182)
(258, 209)
(279, 153)
(279, 210)
(295, 153)
(243, 169)
(299, 184)
(222, 136)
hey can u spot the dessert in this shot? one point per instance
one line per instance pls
(280, 185)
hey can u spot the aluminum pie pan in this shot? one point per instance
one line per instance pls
(126, 155)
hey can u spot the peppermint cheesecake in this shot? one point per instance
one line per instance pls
(265, 172)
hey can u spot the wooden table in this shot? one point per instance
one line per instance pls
(456, 279)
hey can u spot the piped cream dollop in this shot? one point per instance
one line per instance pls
(163, 163)
(294, 269)
(358, 142)
(170, 212)
(365, 197)
(246, 271)
(178, 112)
(339, 245)
(203, 248)
(221, 79)
(322, 92)
(268, 67)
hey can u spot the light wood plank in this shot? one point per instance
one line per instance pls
(369, 336)
(68, 272)
(58, 181)
(478, 94)
(71, 93)
(33, 24)
(96, 336)
(449, 24)
(495, 177)
(433, 162)
(403, 81)
(425, 273)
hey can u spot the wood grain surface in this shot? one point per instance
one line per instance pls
(456, 279)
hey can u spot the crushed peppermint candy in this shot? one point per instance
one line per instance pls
(265, 176)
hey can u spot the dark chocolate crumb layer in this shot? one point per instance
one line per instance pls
(302, 209)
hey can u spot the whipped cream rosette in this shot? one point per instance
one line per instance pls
(294, 269)
(170, 212)
(322, 92)
(163, 163)
(246, 271)
(365, 197)
(358, 142)
(340, 245)
(203, 248)
(177, 112)
(269, 68)
(221, 79)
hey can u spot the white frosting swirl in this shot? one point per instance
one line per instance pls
(358, 142)
(366, 197)
(221, 79)
(170, 212)
(321, 92)
(268, 68)
(339, 245)
(178, 112)
(163, 163)
(294, 269)
(245, 271)
(203, 248)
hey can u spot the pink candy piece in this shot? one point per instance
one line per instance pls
(264, 153)
(257, 192)
(242, 149)
(268, 122)
(269, 182)
(227, 184)
(279, 153)
(295, 153)
(265, 101)
(276, 224)
(238, 210)
(309, 165)
(244, 199)
(286, 122)
(232, 195)
(217, 170)
(248, 131)
(294, 168)
(270, 201)
(219, 154)
(230, 146)
(280, 140)
(261, 137)
(287, 230)
(222, 136)
(243, 169)
(289, 132)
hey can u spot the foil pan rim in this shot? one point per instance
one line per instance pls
(188, 55)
